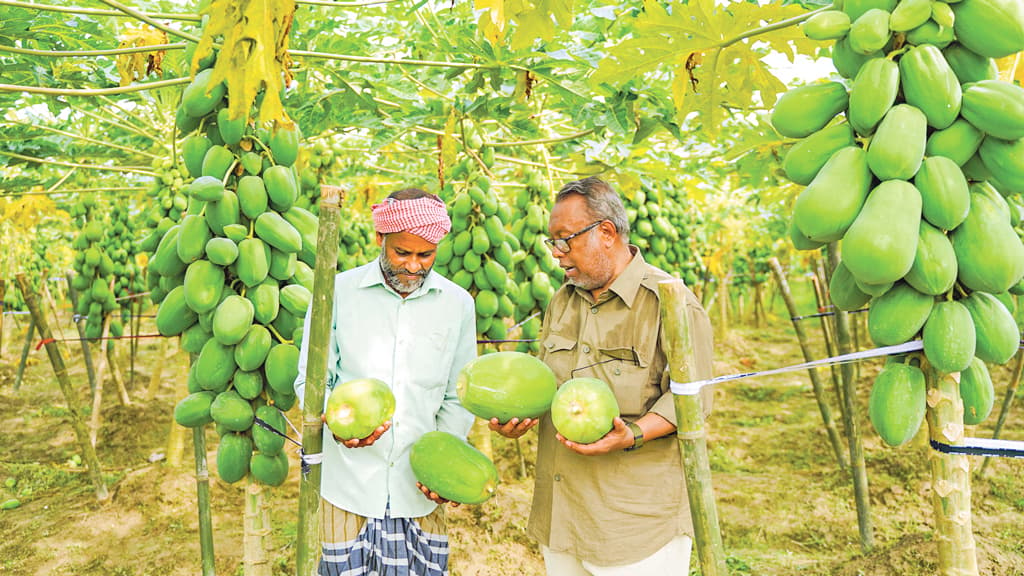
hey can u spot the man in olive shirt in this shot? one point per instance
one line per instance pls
(617, 506)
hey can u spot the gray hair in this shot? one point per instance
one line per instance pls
(601, 200)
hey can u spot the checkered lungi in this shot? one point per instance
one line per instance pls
(357, 546)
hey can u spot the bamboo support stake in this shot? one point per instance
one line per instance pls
(690, 432)
(90, 370)
(256, 536)
(55, 312)
(951, 477)
(176, 437)
(115, 373)
(61, 373)
(158, 371)
(851, 423)
(1011, 392)
(203, 500)
(308, 547)
(819, 389)
(3, 292)
(97, 394)
(25, 349)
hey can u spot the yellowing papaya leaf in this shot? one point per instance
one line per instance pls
(253, 55)
(449, 147)
(137, 66)
(536, 19)
(1010, 68)
(492, 20)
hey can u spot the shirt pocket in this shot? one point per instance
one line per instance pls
(627, 372)
(559, 355)
(431, 355)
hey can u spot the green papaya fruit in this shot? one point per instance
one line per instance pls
(1005, 161)
(873, 93)
(958, 142)
(989, 254)
(945, 195)
(896, 316)
(897, 404)
(996, 332)
(995, 107)
(881, 244)
(968, 65)
(934, 269)
(202, 96)
(977, 392)
(805, 158)
(802, 111)
(857, 8)
(930, 85)
(847, 62)
(204, 283)
(992, 28)
(910, 14)
(233, 455)
(948, 337)
(843, 290)
(826, 208)
(931, 33)
(827, 25)
(897, 148)
(870, 32)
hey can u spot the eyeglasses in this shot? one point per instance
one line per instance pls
(562, 244)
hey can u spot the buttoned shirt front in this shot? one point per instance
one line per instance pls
(621, 507)
(416, 345)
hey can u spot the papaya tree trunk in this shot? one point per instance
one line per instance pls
(819, 388)
(256, 538)
(308, 547)
(951, 477)
(851, 423)
(60, 371)
(690, 433)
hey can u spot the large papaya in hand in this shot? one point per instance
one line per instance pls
(989, 254)
(881, 244)
(897, 405)
(831, 202)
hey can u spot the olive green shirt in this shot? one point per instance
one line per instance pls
(621, 507)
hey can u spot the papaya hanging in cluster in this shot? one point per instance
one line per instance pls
(94, 278)
(235, 278)
(915, 165)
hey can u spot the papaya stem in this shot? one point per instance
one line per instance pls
(107, 52)
(76, 165)
(83, 137)
(277, 334)
(148, 20)
(892, 55)
(771, 27)
(93, 91)
(96, 11)
(227, 174)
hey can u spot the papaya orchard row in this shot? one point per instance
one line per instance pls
(916, 169)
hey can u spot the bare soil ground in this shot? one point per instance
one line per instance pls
(785, 507)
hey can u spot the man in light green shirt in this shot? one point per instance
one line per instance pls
(397, 321)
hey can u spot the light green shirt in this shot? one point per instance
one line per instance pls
(417, 345)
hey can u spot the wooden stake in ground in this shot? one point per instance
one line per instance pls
(97, 394)
(308, 547)
(25, 349)
(61, 372)
(819, 389)
(203, 500)
(951, 477)
(690, 432)
(851, 422)
(90, 370)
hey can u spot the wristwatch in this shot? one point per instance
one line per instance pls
(638, 436)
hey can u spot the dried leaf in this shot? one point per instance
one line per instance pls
(138, 65)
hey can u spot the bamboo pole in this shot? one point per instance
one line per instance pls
(176, 436)
(3, 292)
(54, 311)
(852, 424)
(690, 432)
(61, 373)
(308, 547)
(25, 349)
(255, 539)
(951, 477)
(90, 370)
(115, 373)
(1011, 392)
(203, 500)
(97, 394)
(819, 389)
(158, 371)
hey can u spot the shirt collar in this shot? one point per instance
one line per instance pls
(374, 276)
(628, 283)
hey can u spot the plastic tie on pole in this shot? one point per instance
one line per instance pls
(982, 447)
(692, 388)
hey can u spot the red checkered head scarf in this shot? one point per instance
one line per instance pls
(425, 217)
